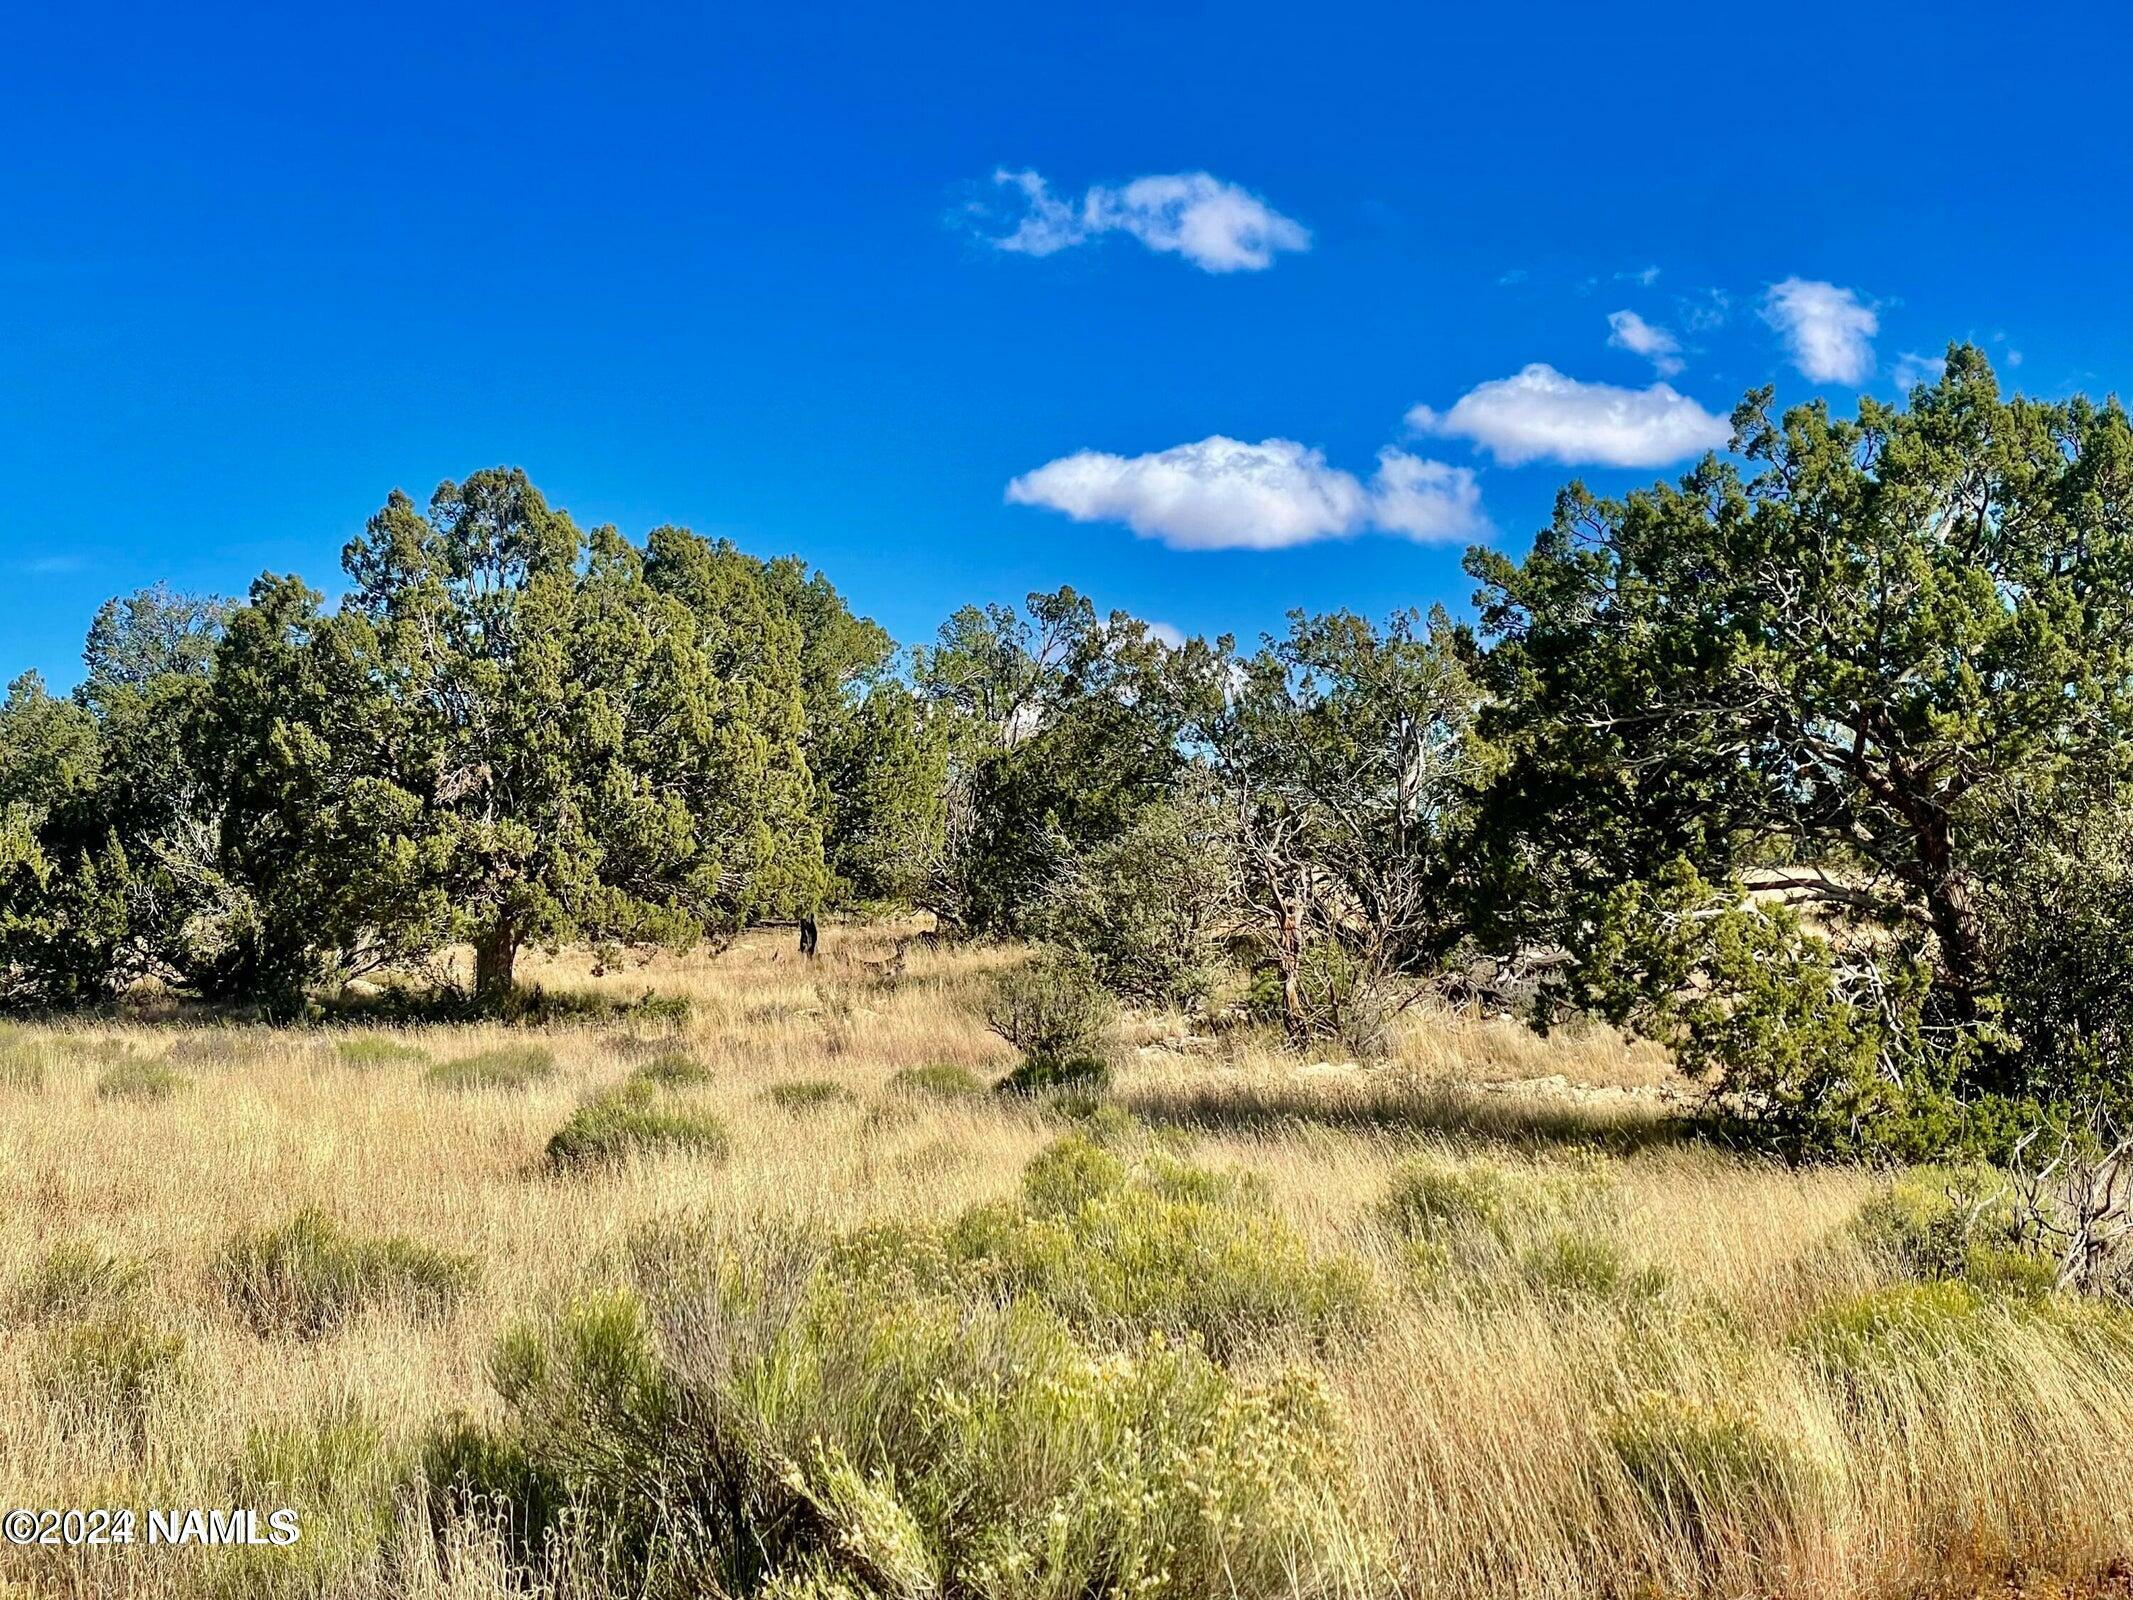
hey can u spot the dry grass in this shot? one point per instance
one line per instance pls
(1521, 1421)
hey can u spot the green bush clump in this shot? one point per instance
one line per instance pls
(1435, 1200)
(1031, 1400)
(378, 1050)
(1570, 1265)
(75, 1278)
(1934, 1224)
(808, 1094)
(335, 1470)
(673, 1069)
(1146, 907)
(1123, 1246)
(135, 1079)
(1070, 1077)
(110, 1369)
(506, 1067)
(939, 1080)
(1701, 1465)
(632, 1122)
(475, 1471)
(1053, 1008)
(804, 1432)
(1913, 1329)
(310, 1277)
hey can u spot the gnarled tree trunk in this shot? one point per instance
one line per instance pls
(496, 961)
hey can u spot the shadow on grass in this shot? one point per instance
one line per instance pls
(529, 1006)
(1410, 1108)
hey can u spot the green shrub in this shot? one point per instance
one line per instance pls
(672, 1069)
(1074, 1075)
(310, 1277)
(506, 1067)
(1030, 1400)
(823, 1436)
(1148, 907)
(1902, 1330)
(472, 1471)
(335, 1471)
(617, 1126)
(74, 1279)
(111, 1369)
(1123, 1248)
(1576, 1266)
(1434, 1199)
(1053, 1008)
(1936, 1224)
(378, 1050)
(134, 1079)
(939, 1080)
(1700, 1465)
(807, 1094)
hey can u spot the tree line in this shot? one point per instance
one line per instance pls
(1809, 764)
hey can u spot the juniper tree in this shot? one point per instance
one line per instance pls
(1839, 665)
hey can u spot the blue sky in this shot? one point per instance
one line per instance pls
(743, 270)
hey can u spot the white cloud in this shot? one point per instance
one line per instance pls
(1913, 369)
(1048, 224)
(1644, 275)
(1632, 333)
(1828, 330)
(1704, 311)
(1541, 413)
(1217, 226)
(1425, 500)
(1167, 634)
(1224, 494)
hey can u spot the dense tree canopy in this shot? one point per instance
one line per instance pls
(1812, 764)
(1837, 672)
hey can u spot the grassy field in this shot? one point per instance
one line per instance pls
(1476, 1322)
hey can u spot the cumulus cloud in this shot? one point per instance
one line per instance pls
(1224, 494)
(1425, 500)
(1541, 413)
(1829, 331)
(1217, 226)
(1630, 332)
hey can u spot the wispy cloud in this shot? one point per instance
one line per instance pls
(1913, 369)
(1539, 413)
(1704, 311)
(1628, 331)
(1217, 226)
(1224, 494)
(1828, 331)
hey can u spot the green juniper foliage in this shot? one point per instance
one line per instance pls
(1812, 765)
(1831, 678)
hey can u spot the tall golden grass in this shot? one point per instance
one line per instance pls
(1649, 1416)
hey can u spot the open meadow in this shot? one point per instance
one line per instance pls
(811, 1307)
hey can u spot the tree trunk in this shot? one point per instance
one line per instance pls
(496, 962)
(1288, 956)
(1957, 929)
